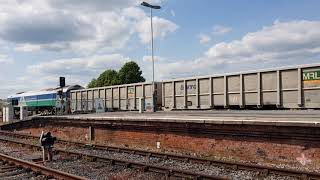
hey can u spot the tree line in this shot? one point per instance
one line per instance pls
(129, 73)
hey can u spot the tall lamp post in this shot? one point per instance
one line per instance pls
(152, 51)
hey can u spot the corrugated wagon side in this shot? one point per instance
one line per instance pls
(292, 87)
(121, 97)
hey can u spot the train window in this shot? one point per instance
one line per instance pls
(14, 102)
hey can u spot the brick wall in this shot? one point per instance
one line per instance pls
(249, 150)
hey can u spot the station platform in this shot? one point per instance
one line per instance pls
(304, 118)
(282, 137)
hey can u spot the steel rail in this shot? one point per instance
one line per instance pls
(51, 173)
(265, 170)
(130, 164)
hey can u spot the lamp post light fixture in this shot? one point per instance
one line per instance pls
(145, 4)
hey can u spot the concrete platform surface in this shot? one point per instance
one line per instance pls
(309, 118)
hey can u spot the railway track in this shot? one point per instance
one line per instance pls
(262, 170)
(14, 168)
(166, 171)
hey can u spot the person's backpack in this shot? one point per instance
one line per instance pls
(43, 141)
(50, 140)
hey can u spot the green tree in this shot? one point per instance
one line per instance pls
(130, 73)
(92, 83)
(108, 78)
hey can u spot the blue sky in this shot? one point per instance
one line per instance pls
(41, 40)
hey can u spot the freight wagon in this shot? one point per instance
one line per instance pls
(288, 87)
(120, 97)
(292, 87)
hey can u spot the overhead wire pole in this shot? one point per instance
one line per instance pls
(152, 50)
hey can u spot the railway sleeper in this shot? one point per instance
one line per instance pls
(168, 173)
(117, 150)
(8, 170)
(93, 159)
(264, 173)
(183, 175)
(148, 156)
(49, 177)
(234, 167)
(12, 173)
(165, 157)
(304, 177)
(79, 156)
(20, 176)
(8, 166)
(144, 168)
(128, 165)
(38, 173)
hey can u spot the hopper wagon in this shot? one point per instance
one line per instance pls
(295, 87)
(288, 87)
(118, 97)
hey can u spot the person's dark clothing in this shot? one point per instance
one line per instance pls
(48, 140)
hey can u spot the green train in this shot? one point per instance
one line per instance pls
(42, 101)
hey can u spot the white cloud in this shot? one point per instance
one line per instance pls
(172, 13)
(75, 27)
(80, 26)
(141, 24)
(10, 88)
(272, 42)
(217, 30)
(5, 59)
(66, 31)
(283, 43)
(204, 38)
(161, 28)
(134, 13)
(84, 28)
(220, 30)
(93, 5)
(98, 5)
(27, 47)
(149, 58)
(79, 66)
(76, 70)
